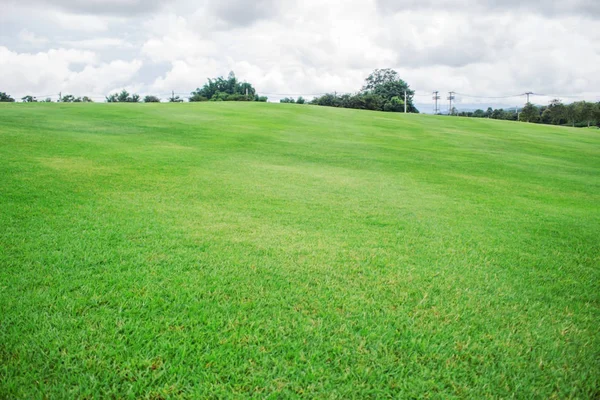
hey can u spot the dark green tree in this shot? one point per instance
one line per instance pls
(479, 113)
(123, 97)
(221, 89)
(29, 99)
(5, 98)
(151, 99)
(68, 98)
(387, 84)
(530, 113)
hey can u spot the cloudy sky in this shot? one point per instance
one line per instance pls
(474, 47)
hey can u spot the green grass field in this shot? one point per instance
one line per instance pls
(232, 250)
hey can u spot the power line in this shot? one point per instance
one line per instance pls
(489, 97)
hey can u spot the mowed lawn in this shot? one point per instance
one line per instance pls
(235, 250)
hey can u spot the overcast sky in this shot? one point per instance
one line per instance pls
(474, 47)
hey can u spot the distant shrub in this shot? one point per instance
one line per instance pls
(151, 99)
(5, 98)
(123, 97)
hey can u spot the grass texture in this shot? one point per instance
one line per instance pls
(234, 250)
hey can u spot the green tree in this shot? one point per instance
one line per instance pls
(387, 84)
(558, 113)
(5, 98)
(530, 113)
(67, 98)
(380, 77)
(585, 112)
(300, 100)
(221, 89)
(394, 104)
(151, 99)
(29, 99)
(123, 97)
(498, 113)
(479, 113)
(571, 113)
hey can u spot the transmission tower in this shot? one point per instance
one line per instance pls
(436, 97)
(450, 98)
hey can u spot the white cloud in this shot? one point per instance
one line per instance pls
(98, 43)
(31, 38)
(78, 22)
(53, 71)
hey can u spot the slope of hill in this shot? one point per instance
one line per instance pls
(239, 249)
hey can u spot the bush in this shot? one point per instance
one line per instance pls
(5, 98)
(151, 99)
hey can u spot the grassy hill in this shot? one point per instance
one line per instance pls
(240, 249)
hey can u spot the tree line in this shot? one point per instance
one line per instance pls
(217, 89)
(383, 91)
(577, 114)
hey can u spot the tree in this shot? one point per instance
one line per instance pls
(387, 84)
(585, 112)
(571, 112)
(530, 113)
(546, 117)
(498, 113)
(380, 77)
(151, 99)
(197, 97)
(29, 99)
(394, 104)
(327, 100)
(87, 99)
(479, 113)
(221, 89)
(558, 113)
(67, 98)
(123, 97)
(300, 100)
(5, 98)
(287, 100)
(373, 102)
